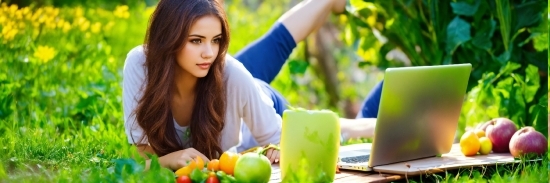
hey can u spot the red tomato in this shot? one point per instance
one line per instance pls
(213, 179)
(183, 179)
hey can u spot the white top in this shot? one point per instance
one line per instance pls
(246, 104)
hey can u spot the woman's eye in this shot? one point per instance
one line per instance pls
(217, 40)
(196, 41)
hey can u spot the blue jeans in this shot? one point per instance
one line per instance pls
(265, 57)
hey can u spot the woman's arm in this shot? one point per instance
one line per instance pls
(143, 150)
(253, 106)
(174, 160)
(356, 128)
(132, 81)
(308, 15)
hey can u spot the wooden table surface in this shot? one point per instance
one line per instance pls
(345, 176)
(397, 171)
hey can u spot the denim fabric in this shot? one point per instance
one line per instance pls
(369, 108)
(265, 57)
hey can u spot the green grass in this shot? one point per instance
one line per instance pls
(520, 172)
(61, 112)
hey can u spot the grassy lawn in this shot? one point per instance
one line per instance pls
(60, 97)
(523, 172)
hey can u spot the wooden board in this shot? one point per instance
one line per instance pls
(387, 173)
(452, 160)
(345, 176)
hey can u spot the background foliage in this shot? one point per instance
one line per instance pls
(61, 62)
(505, 41)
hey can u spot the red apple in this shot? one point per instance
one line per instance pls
(500, 131)
(528, 140)
(483, 126)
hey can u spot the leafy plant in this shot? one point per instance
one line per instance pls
(501, 39)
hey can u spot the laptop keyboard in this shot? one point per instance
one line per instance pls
(356, 159)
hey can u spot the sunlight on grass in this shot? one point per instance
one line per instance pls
(61, 115)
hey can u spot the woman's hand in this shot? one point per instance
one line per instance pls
(178, 159)
(273, 155)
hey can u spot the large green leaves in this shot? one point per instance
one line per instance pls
(527, 14)
(458, 32)
(465, 8)
(503, 14)
(482, 38)
(504, 40)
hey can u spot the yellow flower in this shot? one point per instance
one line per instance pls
(121, 12)
(9, 31)
(66, 27)
(4, 8)
(84, 24)
(78, 12)
(50, 23)
(36, 14)
(19, 15)
(41, 19)
(60, 23)
(44, 53)
(13, 8)
(96, 27)
(25, 10)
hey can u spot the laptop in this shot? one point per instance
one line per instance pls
(417, 117)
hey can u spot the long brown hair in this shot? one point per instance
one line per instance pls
(168, 29)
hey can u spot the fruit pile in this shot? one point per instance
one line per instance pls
(500, 135)
(230, 168)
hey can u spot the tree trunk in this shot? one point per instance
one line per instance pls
(321, 48)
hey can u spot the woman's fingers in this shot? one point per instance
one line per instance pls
(273, 155)
(276, 156)
(194, 154)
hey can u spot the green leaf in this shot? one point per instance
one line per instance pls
(509, 68)
(365, 12)
(539, 59)
(364, 64)
(532, 82)
(465, 8)
(527, 14)
(128, 166)
(483, 36)
(358, 21)
(350, 35)
(541, 41)
(504, 57)
(458, 32)
(297, 66)
(154, 165)
(354, 5)
(504, 18)
(539, 115)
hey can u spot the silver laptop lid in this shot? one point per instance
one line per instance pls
(419, 111)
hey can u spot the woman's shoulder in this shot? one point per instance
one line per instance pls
(135, 56)
(235, 69)
(134, 63)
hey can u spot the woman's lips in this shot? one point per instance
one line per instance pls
(204, 66)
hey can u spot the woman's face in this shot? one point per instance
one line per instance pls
(202, 46)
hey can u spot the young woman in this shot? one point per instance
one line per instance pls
(184, 97)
